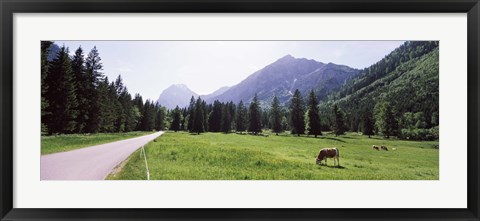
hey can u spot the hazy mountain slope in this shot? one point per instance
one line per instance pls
(326, 79)
(52, 52)
(177, 94)
(215, 93)
(283, 77)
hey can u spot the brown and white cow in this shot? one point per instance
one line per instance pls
(375, 147)
(328, 153)
(384, 148)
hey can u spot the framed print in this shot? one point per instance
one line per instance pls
(239, 110)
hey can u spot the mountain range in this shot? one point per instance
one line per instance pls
(280, 79)
(180, 95)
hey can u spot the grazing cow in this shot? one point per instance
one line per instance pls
(394, 148)
(328, 153)
(375, 147)
(384, 148)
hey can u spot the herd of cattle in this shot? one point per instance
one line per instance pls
(379, 147)
(334, 153)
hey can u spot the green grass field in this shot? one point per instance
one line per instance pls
(60, 143)
(218, 156)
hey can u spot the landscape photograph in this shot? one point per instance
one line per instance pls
(239, 110)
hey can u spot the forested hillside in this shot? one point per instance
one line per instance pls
(405, 83)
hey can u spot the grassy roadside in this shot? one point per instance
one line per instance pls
(66, 142)
(218, 156)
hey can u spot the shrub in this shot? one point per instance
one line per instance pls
(420, 134)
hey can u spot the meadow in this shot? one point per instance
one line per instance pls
(219, 156)
(66, 142)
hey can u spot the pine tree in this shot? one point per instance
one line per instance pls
(191, 118)
(205, 115)
(276, 116)
(61, 95)
(226, 118)
(106, 118)
(339, 124)
(153, 115)
(127, 106)
(119, 87)
(109, 107)
(233, 112)
(160, 119)
(184, 118)
(241, 118)
(254, 116)
(265, 119)
(138, 102)
(198, 123)
(45, 45)
(115, 109)
(285, 125)
(148, 116)
(368, 124)
(297, 114)
(385, 119)
(93, 68)
(314, 124)
(79, 72)
(121, 112)
(125, 100)
(137, 111)
(215, 118)
(176, 118)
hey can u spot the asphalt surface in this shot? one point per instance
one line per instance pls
(90, 163)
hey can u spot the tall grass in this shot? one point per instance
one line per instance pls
(59, 143)
(218, 156)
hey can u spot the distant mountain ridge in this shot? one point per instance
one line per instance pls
(215, 93)
(180, 95)
(280, 78)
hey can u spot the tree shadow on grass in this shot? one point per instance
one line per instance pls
(346, 137)
(333, 138)
(312, 137)
(376, 138)
(331, 166)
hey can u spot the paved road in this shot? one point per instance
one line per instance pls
(90, 163)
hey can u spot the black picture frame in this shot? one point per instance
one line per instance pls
(9, 7)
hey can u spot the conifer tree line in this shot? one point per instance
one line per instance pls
(227, 117)
(301, 116)
(76, 97)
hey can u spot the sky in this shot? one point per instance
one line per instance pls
(149, 67)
